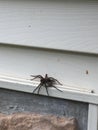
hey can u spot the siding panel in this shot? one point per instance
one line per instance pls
(56, 24)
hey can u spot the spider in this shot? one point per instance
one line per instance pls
(46, 82)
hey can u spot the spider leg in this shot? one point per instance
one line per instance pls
(36, 87)
(51, 78)
(36, 76)
(57, 88)
(39, 88)
(47, 90)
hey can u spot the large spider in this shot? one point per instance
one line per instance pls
(46, 82)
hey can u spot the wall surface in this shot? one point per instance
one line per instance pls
(59, 24)
(13, 101)
(63, 25)
(71, 69)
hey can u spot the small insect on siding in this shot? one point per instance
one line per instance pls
(46, 82)
(87, 72)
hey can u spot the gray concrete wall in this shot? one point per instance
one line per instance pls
(13, 101)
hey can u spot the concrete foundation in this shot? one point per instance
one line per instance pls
(14, 101)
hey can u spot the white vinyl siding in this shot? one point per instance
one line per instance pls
(64, 25)
(45, 27)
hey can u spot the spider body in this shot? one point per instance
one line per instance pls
(46, 82)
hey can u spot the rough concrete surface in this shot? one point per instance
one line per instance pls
(29, 121)
(20, 102)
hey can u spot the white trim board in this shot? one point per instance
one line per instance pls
(67, 93)
(93, 117)
(63, 25)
